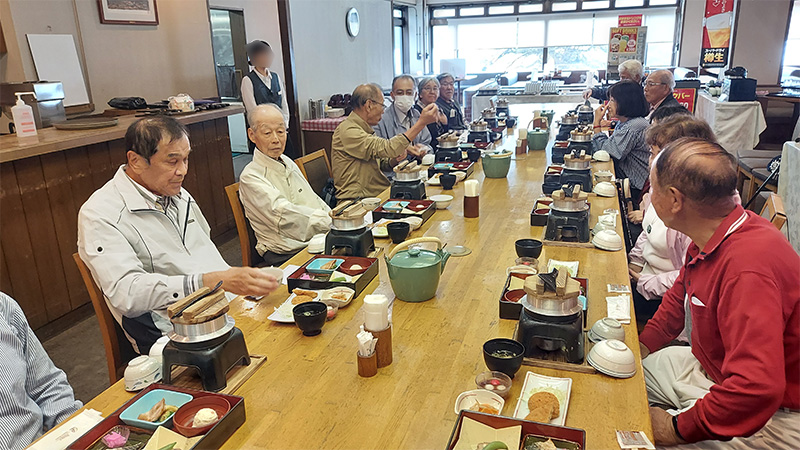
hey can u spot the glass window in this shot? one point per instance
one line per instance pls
(574, 57)
(602, 25)
(444, 45)
(791, 53)
(530, 8)
(596, 5)
(565, 6)
(474, 11)
(487, 35)
(660, 26)
(398, 13)
(398, 50)
(661, 2)
(504, 9)
(576, 31)
(628, 3)
(659, 54)
(530, 33)
(447, 12)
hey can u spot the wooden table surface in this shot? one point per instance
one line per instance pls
(308, 394)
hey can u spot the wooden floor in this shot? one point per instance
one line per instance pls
(308, 394)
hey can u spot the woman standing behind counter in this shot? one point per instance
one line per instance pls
(261, 85)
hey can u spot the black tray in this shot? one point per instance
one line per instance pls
(294, 281)
(575, 435)
(464, 166)
(540, 220)
(425, 214)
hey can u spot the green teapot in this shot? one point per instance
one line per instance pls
(414, 272)
(538, 138)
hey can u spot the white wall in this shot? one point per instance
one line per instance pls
(692, 39)
(760, 33)
(329, 61)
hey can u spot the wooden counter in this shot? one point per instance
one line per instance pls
(308, 394)
(44, 184)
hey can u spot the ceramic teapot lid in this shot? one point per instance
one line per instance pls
(407, 257)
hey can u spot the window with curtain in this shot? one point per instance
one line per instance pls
(571, 41)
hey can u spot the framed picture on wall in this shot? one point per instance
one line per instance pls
(128, 12)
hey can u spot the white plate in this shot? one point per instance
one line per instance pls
(380, 232)
(560, 387)
(434, 180)
(283, 313)
(326, 295)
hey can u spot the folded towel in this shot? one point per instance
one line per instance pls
(619, 307)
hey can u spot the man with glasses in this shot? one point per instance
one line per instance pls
(658, 90)
(356, 150)
(448, 104)
(402, 115)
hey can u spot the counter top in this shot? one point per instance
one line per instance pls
(51, 140)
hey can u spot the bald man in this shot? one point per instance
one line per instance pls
(658, 90)
(740, 380)
(356, 150)
(282, 207)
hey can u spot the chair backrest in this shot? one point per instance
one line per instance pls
(773, 210)
(118, 349)
(316, 168)
(247, 238)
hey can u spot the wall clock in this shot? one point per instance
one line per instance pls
(353, 22)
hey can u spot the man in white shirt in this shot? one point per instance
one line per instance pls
(145, 240)
(283, 209)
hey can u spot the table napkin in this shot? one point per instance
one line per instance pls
(619, 307)
(60, 437)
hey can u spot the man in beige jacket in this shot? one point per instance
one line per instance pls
(356, 150)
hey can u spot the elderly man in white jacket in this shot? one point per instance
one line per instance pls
(146, 241)
(283, 209)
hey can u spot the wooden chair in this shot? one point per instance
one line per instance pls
(247, 238)
(118, 349)
(316, 168)
(773, 211)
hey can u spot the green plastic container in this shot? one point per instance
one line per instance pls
(496, 166)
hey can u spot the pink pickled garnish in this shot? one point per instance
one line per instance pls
(495, 382)
(114, 440)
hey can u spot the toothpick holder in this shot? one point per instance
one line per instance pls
(383, 348)
(367, 365)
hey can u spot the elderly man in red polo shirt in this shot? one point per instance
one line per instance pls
(738, 385)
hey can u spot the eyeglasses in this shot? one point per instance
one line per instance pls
(653, 83)
(430, 89)
(378, 103)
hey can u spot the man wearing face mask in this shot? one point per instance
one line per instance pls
(402, 115)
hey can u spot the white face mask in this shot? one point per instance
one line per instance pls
(404, 103)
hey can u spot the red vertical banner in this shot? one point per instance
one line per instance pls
(686, 97)
(717, 24)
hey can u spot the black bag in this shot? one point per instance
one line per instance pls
(127, 103)
(329, 193)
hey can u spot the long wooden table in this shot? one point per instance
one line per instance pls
(309, 395)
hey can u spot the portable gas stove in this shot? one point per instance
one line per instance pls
(577, 170)
(349, 235)
(568, 220)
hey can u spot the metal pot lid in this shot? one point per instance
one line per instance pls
(201, 332)
(551, 307)
(448, 144)
(481, 127)
(569, 205)
(340, 224)
(407, 176)
(569, 119)
(415, 258)
(577, 164)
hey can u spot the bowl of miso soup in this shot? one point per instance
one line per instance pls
(503, 355)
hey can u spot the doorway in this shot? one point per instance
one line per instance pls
(228, 41)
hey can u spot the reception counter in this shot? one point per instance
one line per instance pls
(44, 183)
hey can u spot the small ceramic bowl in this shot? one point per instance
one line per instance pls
(442, 200)
(316, 244)
(184, 417)
(310, 317)
(608, 240)
(606, 328)
(601, 155)
(514, 295)
(371, 203)
(493, 381)
(605, 189)
(603, 175)
(470, 399)
(459, 175)
(530, 248)
(141, 372)
(130, 415)
(428, 159)
(511, 360)
(613, 358)
(275, 272)
(341, 295)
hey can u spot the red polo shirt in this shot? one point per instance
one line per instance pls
(744, 292)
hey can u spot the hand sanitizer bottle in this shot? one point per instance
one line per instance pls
(24, 122)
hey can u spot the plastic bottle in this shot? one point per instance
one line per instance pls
(24, 122)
